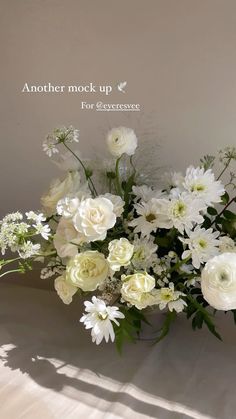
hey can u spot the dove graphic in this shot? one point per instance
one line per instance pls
(121, 86)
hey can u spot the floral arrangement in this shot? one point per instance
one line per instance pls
(128, 246)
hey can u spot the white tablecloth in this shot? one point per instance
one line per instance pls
(50, 369)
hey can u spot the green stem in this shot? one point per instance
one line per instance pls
(118, 181)
(4, 263)
(88, 178)
(221, 212)
(224, 169)
(8, 272)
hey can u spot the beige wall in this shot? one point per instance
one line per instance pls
(178, 57)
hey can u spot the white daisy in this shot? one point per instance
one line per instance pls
(145, 193)
(184, 211)
(173, 180)
(202, 245)
(99, 318)
(168, 297)
(202, 184)
(152, 215)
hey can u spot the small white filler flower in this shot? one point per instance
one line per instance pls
(99, 318)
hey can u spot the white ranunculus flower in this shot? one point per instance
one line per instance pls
(94, 217)
(67, 238)
(87, 270)
(120, 253)
(138, 290)
(64, 289)
(122, 141)
(58, 190)
(118, 203)
(218, 282)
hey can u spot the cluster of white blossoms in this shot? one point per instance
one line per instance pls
(19, 236)
(132, 245)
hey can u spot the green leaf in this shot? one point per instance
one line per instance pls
(123, 332)
(212, 211)
(225, 199)
(207, 222)
(229, 215)
(169, 319)
(205, 317)
(129, 326)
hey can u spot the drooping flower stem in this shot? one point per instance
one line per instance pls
(224, 169)
(87, 175)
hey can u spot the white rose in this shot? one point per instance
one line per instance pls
(118, 203)
(94, 217)
(120, 253)
(58, 190)
(67, 207)
(219, 282)
(122, 141)
(87, 270)
(65, 235)
(64, 289)
(138, 290)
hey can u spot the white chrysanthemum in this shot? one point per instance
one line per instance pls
(64, 289)
(28, 249)
(184, 211)
(99, 318)
(202, 184)
(145, 193)
(67, 239)
(87, 270)
(117, 201)
(202, 245)
(226, 244)
(144, 255)
(173, 180)
(152, 215)
(94, 217)
(122, 141)
(170, 298)
(218, 282)
(60, 189)
(120, 253)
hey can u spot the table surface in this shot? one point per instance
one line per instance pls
(50, 369)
